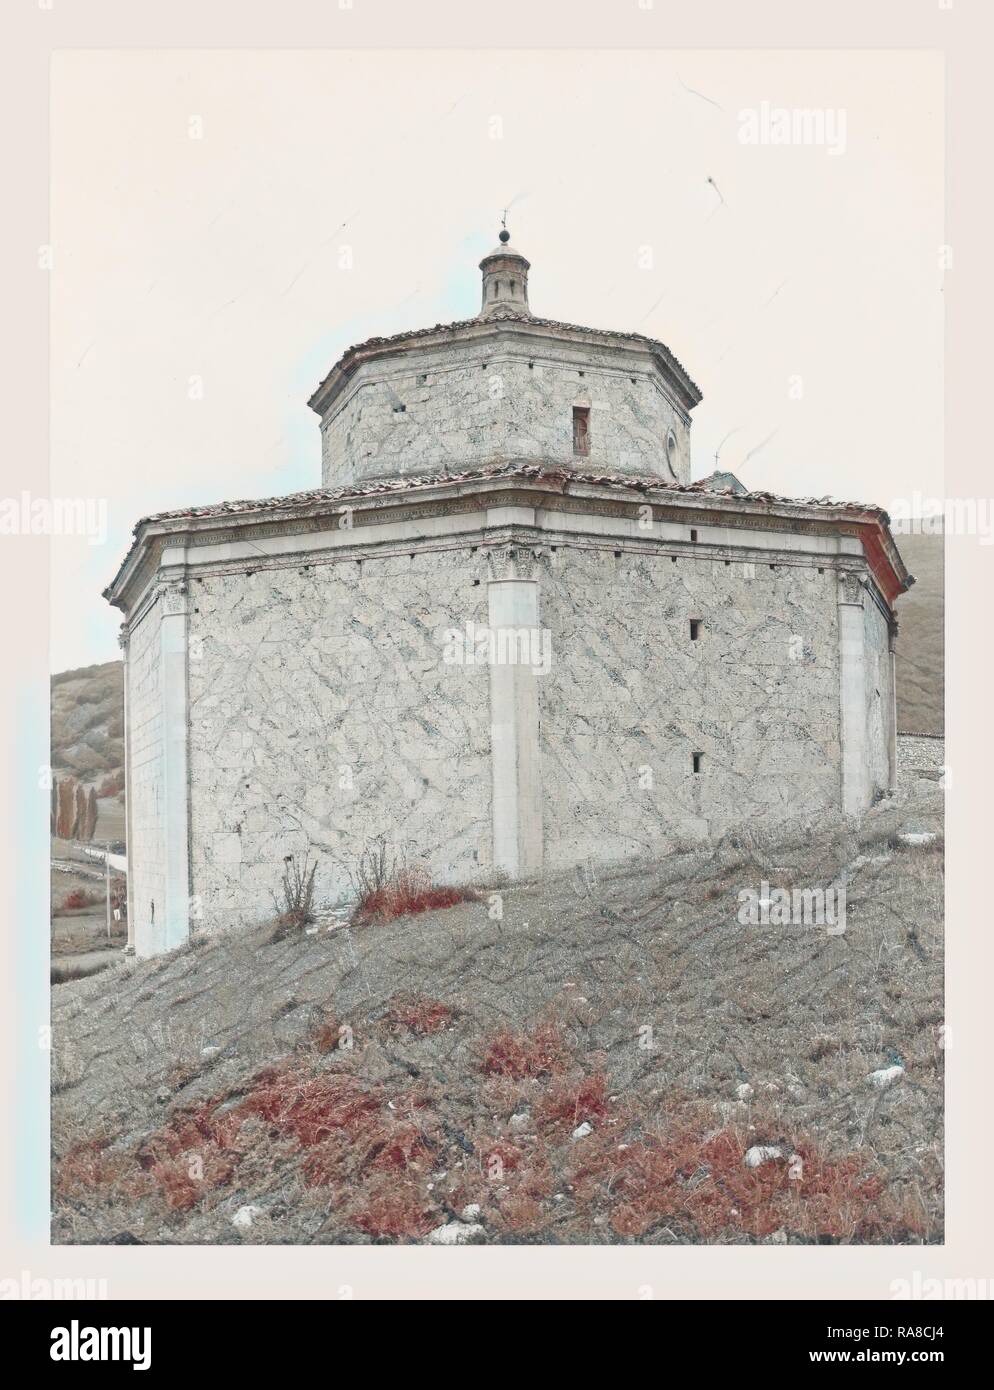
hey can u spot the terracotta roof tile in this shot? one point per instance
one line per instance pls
(538, 472)
(562, 478)
(555, 324)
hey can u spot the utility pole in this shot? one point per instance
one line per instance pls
(107, 881)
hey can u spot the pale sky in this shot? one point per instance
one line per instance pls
(801, 289)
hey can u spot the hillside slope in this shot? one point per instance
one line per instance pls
(591, 1067)
(88, 722)
(920, 644)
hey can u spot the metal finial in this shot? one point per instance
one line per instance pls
(505, 236)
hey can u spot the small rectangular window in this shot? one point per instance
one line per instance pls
(581, 429)
(698, 760)
(695, 629)
(693, 537)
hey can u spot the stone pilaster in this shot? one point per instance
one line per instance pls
(123, 641)
(513, 617)
(852, 694)
(174, 928)
(892, 707)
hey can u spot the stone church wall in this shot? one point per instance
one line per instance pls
(630, 699)
(322, 715)
(428, 411)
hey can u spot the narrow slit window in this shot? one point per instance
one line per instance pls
(698, 761)
(695, 629)
(581, 429)
(693, 537)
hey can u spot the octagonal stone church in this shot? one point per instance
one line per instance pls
(507, 633)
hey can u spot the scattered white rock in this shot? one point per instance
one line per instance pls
(519, 1123)
(244, 1217)
(885, 1076)
(762, 1153)
(776, 1238)
(471, 1212)
(916, 837)
(745, 1091)
(583, 1130)
(455, 1233)
(209, 1051)
(862, 859)
(797, 1093)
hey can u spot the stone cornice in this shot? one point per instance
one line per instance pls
(469, 332)
(561, 493)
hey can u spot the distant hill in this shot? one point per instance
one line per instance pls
(88, 722)
(920, 657)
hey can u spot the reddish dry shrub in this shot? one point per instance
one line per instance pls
(399, 1146)
(198, 1127)
(87, 1165)
(397, 1211)
(351, 1142)
(540, 1053)
(522, 1214)
(191, 1154)
(79, 897)
(700, 1184)
(569, 1102)
(327, 1036)
(418, 1015)
(409, 892)
(185, 1180)
(500, 1157)
(310, 1108)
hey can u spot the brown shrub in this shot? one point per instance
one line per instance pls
(417, 1014)
(542, 1052)
(700, 1184)
(78, 898)
(397, 1211)
(569, 1102)
(410, 891)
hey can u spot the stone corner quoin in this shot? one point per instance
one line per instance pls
(507, 633)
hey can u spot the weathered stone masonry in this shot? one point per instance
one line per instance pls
(300, 671)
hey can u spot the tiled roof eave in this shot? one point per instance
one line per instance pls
(353, 355)
(316, 500)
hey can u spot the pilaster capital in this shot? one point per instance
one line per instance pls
(511, 562)
(851, 588)
(173, 593)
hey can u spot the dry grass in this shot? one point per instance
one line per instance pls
(367, 1085)
(414, 1013)
(542, 1052)
(386, 887)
